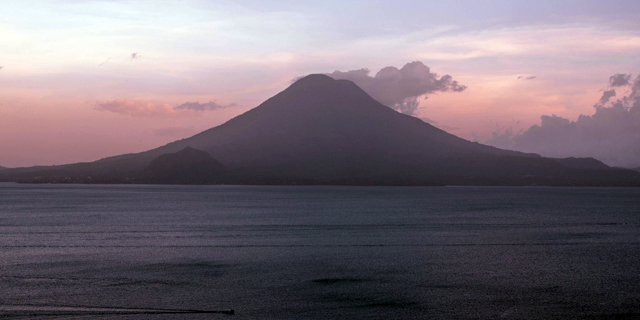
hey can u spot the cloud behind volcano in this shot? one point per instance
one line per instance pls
(400, 88)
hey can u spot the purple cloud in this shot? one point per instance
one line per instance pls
(606, 96)
(136, 108)
(400, 88)
(140, 108)
(611, 134)
(619, 80)
(196, 106)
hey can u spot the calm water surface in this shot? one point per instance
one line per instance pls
(126, 252)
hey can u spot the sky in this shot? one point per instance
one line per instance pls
(83, 80)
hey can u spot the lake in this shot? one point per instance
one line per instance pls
(293, 252)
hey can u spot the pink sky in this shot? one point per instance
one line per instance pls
(71, 88)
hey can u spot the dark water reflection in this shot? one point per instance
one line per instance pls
(318, 252)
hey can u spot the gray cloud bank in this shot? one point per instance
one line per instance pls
(611, 134)
(139, 108)
(400, 88)
(211, 105)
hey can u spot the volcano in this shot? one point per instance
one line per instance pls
(325, 131)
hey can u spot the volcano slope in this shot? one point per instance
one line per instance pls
(325, 131)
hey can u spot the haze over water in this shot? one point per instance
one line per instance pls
(318, 252)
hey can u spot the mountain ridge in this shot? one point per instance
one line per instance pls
(325, 131)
